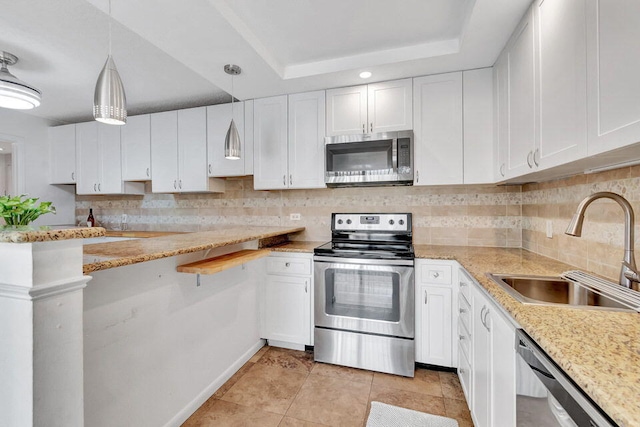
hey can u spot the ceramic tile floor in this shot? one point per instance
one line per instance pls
(280, 387)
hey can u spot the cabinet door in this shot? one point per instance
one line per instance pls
(503, 370)
(192, 150)
(109, 159)
(306, 140)
(481, 363)
(136, 148)
(164, 152)
(477, 87)
(438, 129)
(389, 106)
(270, 143)
(218, 121)
(434, 319)
(501, 115)
(613, 67)
(521, 105)
(62, 154)
(347, 111)
(561, 75)
(87, 157)
(248, 135)
(287, 308)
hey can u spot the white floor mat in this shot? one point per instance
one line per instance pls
(383, 415)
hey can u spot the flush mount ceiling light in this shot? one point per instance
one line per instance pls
(232, 141)
(109, 100)
(365, 74)
(14, 93)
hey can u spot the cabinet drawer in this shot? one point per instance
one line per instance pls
(295, 266)
(464, 310)
(465, 286)
(464, 373)
(464, 340)
(435, 274)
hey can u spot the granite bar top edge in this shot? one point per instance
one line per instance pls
(47, 234)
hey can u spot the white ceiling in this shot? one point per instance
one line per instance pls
(171, 54)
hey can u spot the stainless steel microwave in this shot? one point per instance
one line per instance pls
(369, 159)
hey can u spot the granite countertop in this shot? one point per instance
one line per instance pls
(297, 246)
(117, 254)
(599, 350)
(30, 234)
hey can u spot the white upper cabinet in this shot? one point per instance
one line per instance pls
(289, 141)
(500, 116)
(347, 110)
(378, 107)
(136, 148)
(62, 154)
(561, 99)
(477, 87)
(437, 110)
(179, 152)
(99, 161)
(613, 67)
(218, 121)
(389, 106)
(306, 140)
(270, 143)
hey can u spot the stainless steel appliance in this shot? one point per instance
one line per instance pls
(369, 159)
(364, 294)
(546, 396)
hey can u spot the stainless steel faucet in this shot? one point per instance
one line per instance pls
(629, 271)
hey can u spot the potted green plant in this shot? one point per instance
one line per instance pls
(19, 212)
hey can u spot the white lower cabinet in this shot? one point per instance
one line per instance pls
(493, 379)
(286, 300)
(435, 303)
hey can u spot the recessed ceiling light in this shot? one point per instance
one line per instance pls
(365, 74)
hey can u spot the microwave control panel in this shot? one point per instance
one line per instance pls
(404, 152)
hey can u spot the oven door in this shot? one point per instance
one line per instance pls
(365, 295)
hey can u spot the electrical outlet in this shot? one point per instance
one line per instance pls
(549, 228)
(294, 217)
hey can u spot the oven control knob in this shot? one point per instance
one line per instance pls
(401, 222)
(391, 222)
(348, 221)
(339, 221)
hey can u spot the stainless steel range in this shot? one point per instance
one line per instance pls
(364, 294)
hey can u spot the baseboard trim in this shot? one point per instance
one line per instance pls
(205, 394)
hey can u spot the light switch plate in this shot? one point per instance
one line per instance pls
(549, 228)
(294, 217)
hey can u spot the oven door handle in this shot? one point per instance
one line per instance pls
(364, 261)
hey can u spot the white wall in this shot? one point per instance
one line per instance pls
(156, 346)
(30, 133)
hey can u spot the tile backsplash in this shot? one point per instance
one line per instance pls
(456, 215)
(504, 216)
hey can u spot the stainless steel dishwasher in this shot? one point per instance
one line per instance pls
(546, 396)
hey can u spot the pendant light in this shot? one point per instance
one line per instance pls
(109, 100)
(232, 141)
(14, 93)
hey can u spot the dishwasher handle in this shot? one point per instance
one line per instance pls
(577, 404)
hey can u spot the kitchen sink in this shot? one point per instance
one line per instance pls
(545, 290)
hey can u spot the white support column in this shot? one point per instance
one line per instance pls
(41, 333)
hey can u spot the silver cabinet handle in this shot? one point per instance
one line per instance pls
(463, 284)
(461, 337)
(175, 184)
(290, 179)
(425, 297)
(371, 127)
(99, 189)
(148, 172)
(484, 320)
(463, 310)
(284, 180)
(364, 128)
(180, 184)
(95, 187)
(502, 169)
(305, 286)
(417, 176)
(529, 159)
(482, 314)
(536, 157)
(287, 264)
(209, 169)
(435, 274)
(73, 176)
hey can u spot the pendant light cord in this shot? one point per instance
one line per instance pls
(109, 27)
(232, 96)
